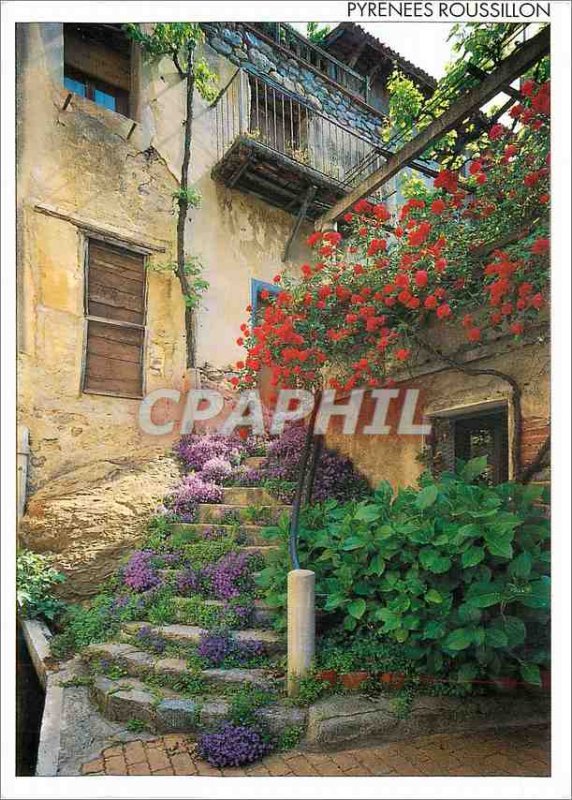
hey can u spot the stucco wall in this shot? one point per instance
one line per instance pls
(78, 168)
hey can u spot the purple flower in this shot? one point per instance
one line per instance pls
(335, 478)
(139, 574)
(188, 582)
(232, 745)
(216, 469)
(150, 640)
(215, 647)
(191, 491)
(231, 576)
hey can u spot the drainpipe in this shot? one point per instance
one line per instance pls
(22, 466)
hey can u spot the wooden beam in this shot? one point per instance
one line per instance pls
(240, 170)
(480, 73)
(308, 197)
(512, 67)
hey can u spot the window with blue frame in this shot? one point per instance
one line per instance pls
(257, 302)
(97, 65)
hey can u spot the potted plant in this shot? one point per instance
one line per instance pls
(354, 680)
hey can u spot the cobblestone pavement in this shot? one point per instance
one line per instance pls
(517, 752)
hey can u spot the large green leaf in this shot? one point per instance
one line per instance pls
(368, 513)
(472, 556)
(484, 594)
(499, 544)
(474, 468)
(520, 566)
(433, 561)
(426, 497)
(539, 594)
(495, 637)
(515, 630)
(354, 543)
(434, 629)
(531, 674)
(433, 596)
(357, 608)
(459, 639)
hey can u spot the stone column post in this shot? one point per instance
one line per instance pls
(301, 625)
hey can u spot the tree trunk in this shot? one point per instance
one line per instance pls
(183, 203)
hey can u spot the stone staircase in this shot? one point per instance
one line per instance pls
(132, 682)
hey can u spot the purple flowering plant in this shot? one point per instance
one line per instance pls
(233, 745)
(139, 574)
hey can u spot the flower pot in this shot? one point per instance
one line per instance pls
(385, 678)
(354, 680)
(328, 676)
(398, 680)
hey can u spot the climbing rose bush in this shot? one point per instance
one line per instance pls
(470, 253)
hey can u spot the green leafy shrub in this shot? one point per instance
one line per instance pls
(455, 571)
(35, 578)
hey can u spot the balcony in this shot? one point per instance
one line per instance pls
(274, 145)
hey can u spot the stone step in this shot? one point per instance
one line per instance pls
(199, 531)
(248, 496)
(191, 634)
(254, 462)
(141, 664)
(187, 613)
(129, 698)
(267, 514)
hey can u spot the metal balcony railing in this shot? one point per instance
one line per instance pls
(312, 54)
(257, 109)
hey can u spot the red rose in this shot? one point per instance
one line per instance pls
(444, 311)
(474, 334)
(430, 302)
(421, 278)
(402, 354)
(540, 246)
(438, 206)
(517, 328)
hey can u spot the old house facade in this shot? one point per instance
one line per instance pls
(100, 315)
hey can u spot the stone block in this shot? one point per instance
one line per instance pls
(347, 719)
(220, 46)
(260, 61)
(176, 715)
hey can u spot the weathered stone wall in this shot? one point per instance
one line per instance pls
(92, 516)
(254, 53)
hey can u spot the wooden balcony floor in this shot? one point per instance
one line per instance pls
(252, 166)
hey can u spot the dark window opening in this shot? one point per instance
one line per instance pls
(97, 65)
(469, 436)
(115, 311)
